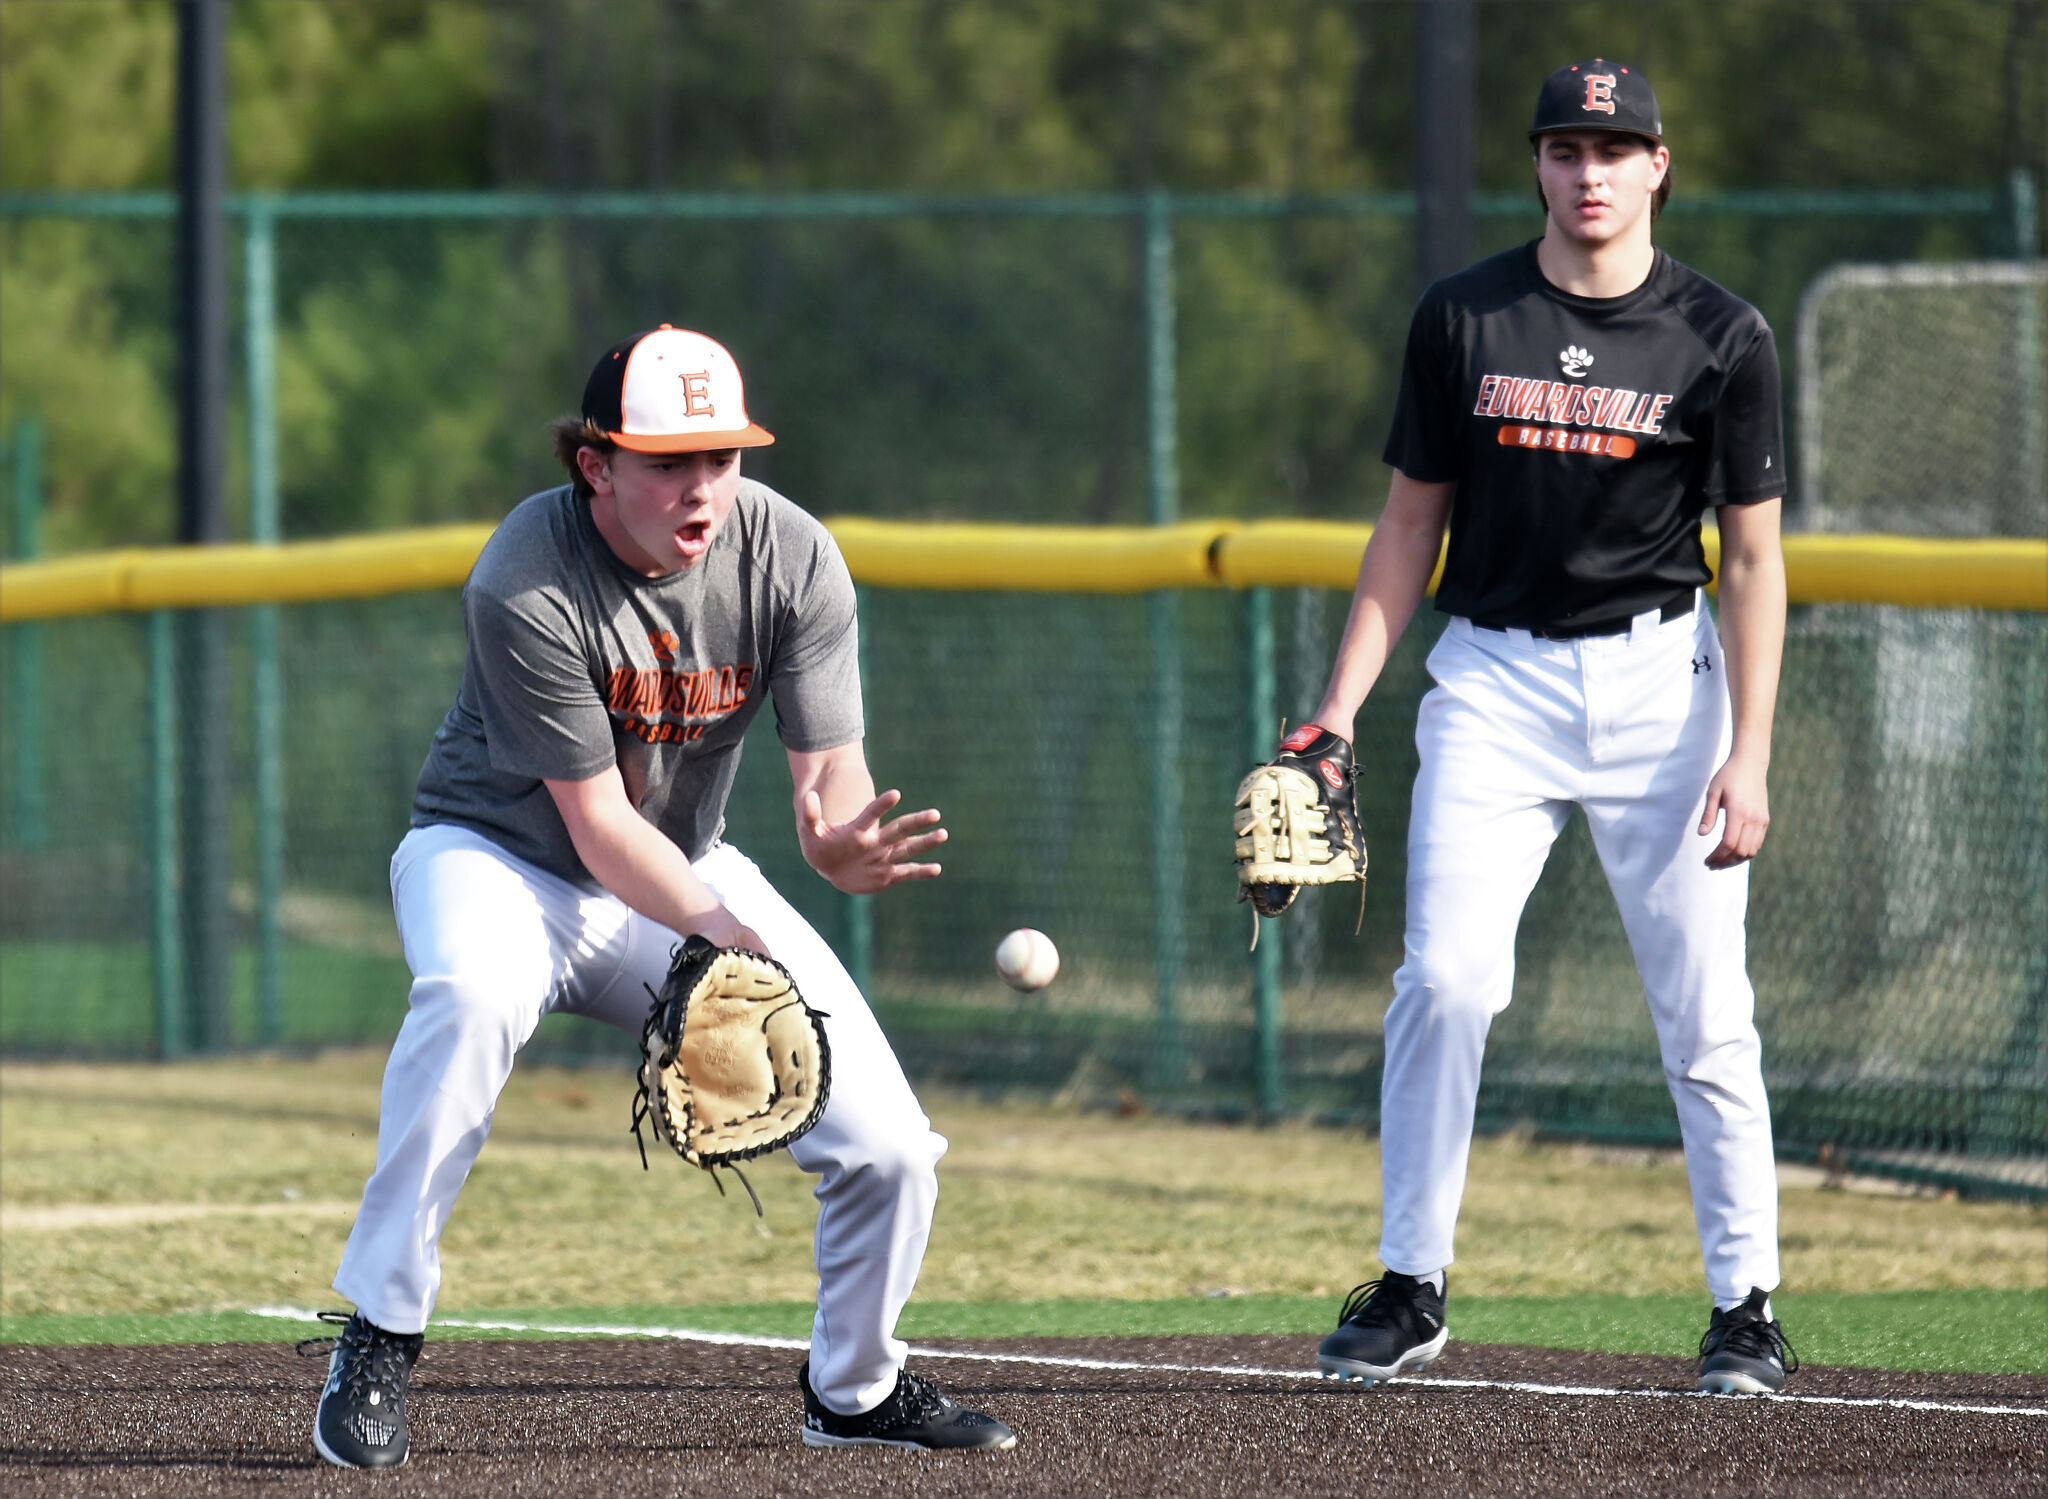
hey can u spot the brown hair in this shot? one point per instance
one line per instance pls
(1663, 194)
(571, 435)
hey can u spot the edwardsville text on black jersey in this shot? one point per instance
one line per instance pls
(1559, 403)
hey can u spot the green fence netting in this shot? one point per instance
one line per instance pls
(1112, 358)
(1898, 933)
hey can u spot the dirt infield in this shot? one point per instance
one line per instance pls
(658, 1417)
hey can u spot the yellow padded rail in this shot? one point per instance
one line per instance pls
(1924, 574)
(1993, 574)
(192, 577)
(1040, 559)
(1297, 554)
(1914, 571)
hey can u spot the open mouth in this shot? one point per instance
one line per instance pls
(693, 537)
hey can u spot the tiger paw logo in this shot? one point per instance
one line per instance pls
(665, 645)
(1576, 361)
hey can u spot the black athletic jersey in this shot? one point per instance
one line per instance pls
(1587, 436)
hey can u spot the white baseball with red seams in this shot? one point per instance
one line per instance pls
(1027, 959)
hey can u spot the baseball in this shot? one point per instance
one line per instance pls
(1027, 959)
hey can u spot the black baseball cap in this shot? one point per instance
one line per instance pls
(1598, 95)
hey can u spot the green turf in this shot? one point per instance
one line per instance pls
(1984, 1332)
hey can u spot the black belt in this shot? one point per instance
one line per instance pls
(1676, 607)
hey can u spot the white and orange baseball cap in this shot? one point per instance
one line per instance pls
(670, 391)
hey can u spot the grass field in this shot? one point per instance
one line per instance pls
(1983, 1332)
(146, 1203)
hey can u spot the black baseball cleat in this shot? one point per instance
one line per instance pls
(361, 1421)
(1744, 1351)
(1389, 1327)
(915, 1415)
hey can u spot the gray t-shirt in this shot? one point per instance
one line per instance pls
(577, 663)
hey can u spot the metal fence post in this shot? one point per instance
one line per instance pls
(2022, 206)
(1443, 105)
(860, 909)
(1162, 507)
(166, 959)
(201, 320)
(1259, 719)
(266, 694)
(28, 823)
(2033, 439)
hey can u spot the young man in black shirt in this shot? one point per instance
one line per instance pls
(1571, 409)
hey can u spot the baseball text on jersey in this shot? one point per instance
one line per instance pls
(1563, 440)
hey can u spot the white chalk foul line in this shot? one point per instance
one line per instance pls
(1072, 1361)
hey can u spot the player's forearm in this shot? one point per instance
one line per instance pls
(1391, 581)
(1753, 635)
(1384, 601)
(843, 783)
(635, 860)
(844, 786)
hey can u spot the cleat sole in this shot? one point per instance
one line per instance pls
(320, 1446)
(1414, 1361)
(1729, 1382)
(815, 1438)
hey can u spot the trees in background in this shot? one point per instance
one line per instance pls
(922, 366)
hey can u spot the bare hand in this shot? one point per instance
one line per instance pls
(868, 854)
(1737, 795)
(720, 926)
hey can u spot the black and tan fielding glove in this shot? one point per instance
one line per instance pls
(1297, 823)
(733, 1063)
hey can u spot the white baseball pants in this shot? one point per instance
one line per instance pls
(495, 943)
(1516, 732)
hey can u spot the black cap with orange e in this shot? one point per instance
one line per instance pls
(1598, 95)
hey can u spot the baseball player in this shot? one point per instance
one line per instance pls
(567, 833)
(1571, 409)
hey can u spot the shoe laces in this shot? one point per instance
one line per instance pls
(1749, 1335)
(917, 1398)
(1376, 1303)
(371, 1358)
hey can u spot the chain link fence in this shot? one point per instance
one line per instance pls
(1898, 929)
(1095, 359)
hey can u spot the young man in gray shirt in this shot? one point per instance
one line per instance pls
(567, 835)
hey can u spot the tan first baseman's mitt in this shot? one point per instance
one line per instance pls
(733, 1064)
(1297, 823)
